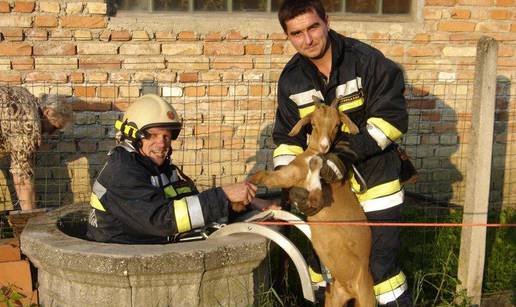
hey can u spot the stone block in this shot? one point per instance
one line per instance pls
(54, 48)
(97, 48)
(73, 8)
(55, 63)
(96, 8)
(182, 48)
(16, 21)
(92, 22)
(52, 7)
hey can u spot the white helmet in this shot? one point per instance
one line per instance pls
(146, 112)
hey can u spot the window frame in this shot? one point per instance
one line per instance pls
(268, 9)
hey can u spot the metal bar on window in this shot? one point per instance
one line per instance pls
(380, 7)
(268, 7)
(343, 8)
(230, 5)
(151, 6)
(190, 6)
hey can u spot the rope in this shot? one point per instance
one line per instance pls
(389, 224)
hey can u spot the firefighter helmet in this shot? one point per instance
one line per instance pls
(146, 112)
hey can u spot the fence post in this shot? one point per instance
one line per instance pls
(472, 247)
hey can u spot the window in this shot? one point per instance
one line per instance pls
(332, 6)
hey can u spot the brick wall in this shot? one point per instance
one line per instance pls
(219, 71)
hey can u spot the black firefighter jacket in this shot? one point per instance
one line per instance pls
(369, 88)
(134, 201)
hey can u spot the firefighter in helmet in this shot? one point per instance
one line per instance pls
(140, 196)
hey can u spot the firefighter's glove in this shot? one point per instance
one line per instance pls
(333, 169)
(299, 198)
(337, 162)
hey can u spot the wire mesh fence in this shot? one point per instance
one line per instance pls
(227, 135)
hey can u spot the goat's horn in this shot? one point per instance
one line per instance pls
(316, 100)
(335, 102)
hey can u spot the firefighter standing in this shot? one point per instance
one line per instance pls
(369, 88)
(139, 196)
(23, 118)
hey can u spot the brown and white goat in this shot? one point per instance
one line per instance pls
(344, 250)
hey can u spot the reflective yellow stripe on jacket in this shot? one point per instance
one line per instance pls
(390, 289)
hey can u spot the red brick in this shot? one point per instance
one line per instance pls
(222, 48)
(187, 36)
(505, 2)
(440, 2)
(277, 48)
(45, 21)
(476, 2)
(38, 76)
(99, 62)
(195, 91)
(77, 77)
(92, 106)
(91, 22)
(421, 104)
(23, 7)
(23, 63)
(55, 49)
(500, 14)
(278, 36)
(513, 27)
(431, 116)
(188, 77)
(120, 36)
(13, 34)
(15, 49)
(259, 90)
(456, 26)
(218, 90)
(461, 14)
(10, 250)
(10, 77)
(17, 273)
(234, 35)
(108, 92)
(213, 37)
(4, 7)
(423, 51)
(85, 91)
(254, 49)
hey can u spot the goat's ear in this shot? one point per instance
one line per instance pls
(297, 127)
(353, 129)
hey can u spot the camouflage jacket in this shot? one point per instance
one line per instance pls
(20, 129)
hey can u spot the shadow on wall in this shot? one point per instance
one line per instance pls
(67, 163)
(435, 140)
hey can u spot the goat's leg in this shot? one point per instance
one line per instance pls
(287, 177)
(336, 295)
(365, 294)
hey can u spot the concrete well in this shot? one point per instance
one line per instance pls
(229, 271)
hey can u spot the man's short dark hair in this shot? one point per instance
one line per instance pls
(292, 8)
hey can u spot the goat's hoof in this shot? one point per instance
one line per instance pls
(257, 178)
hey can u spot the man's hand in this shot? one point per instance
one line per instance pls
(265, 204)
(240, 194)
